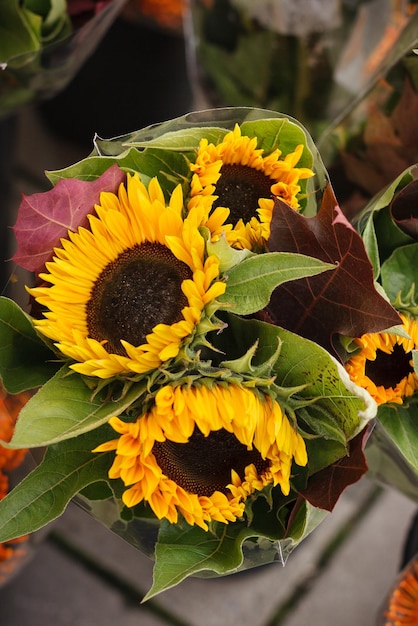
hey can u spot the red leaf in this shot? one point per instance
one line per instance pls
(343, 301)
(326, 486)
(44, 218)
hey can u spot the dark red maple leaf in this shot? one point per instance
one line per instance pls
(343, 301)
(44, 218)
(325, 487)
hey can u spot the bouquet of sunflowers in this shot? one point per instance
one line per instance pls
(195, 341)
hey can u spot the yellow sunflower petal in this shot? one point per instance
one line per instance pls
(133, 231)
(237, 160)
(384, 365)
(161, 456)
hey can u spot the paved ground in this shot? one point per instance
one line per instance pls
(84, 575)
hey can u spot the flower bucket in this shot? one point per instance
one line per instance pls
(307, 58)
(47, 67)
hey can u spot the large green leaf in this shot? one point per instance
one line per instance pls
(66, 407)
(251, 282)
(380, 234)
(399, 273)
(44, 494)
(184, 550)
(284, 134)
(170, 166)
(19, 32)
(25, 361)
(401, 424)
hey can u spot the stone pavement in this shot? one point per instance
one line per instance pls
(84, 575)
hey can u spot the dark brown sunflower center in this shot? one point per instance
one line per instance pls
(134, 293)
(203, 465)
(389, 369)
(239, 188)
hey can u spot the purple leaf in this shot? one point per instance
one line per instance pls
(325, 487)
(44, 218)
(343, 301)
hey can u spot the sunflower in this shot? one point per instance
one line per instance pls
(384, 364)
(239, 186)
(127, 292)
(402, 606)
(201, 450)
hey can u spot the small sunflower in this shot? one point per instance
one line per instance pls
(127, 292)
(239, 185)
(384, 364)
(202, 450)
(402, 606)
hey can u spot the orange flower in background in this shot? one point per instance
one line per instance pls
(10, 405)
(402, 609)
(167, 14)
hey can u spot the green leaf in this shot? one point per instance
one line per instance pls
(25, 361)
(19, 33)
(388, 466)
(184, 550)
(401, 424)
(43, 495)
(186, 140)
(399, 273)
(279, 133)
(371, 245)
(380, 234)
(327, 402)
(66, 407)
(170, 166)
(94, 166)
(304, 520)
(251, 283)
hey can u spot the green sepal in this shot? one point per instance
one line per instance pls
(227, 256)
(415, 360)
(245, 365)
(327, 403)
